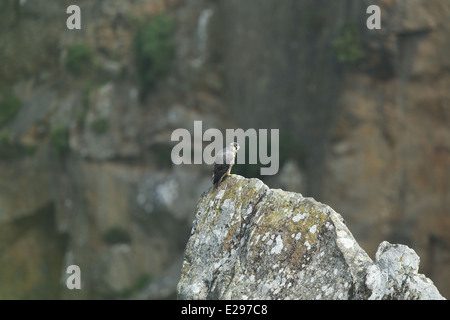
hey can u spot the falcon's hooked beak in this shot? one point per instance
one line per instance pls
(235, 145)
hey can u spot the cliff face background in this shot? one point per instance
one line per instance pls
(86, 118)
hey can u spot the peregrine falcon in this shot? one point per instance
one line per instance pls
(224, 161)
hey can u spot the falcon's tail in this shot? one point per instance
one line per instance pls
(216, 182)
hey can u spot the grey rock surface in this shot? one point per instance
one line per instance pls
(252, 242)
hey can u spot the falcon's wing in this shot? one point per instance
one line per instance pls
(225, 156)
(219, 171)
(224, 160)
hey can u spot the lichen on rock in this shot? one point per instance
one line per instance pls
(252, 242)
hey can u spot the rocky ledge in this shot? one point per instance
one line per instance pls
(252, 242)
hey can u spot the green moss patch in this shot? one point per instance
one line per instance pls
(9, 106)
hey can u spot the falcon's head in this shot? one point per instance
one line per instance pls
(234, 146)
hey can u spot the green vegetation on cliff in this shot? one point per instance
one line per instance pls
(79, 59)
(154, 49)
(9, 106)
